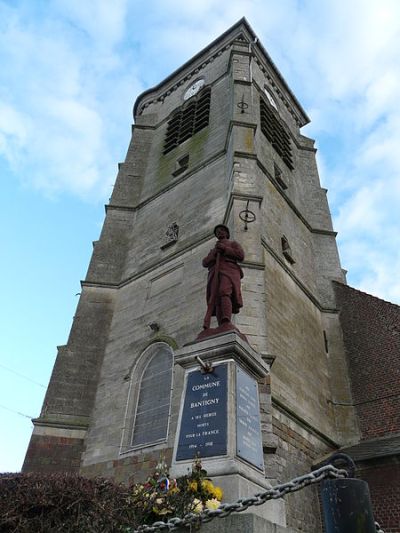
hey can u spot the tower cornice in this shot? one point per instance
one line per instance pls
(240, 31)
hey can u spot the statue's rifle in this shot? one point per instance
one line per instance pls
(213, 293)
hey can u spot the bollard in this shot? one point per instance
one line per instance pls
(346, 503)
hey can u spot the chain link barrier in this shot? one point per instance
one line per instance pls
(274, 493)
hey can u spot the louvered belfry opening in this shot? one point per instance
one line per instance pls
(190, 118)
(275, 132)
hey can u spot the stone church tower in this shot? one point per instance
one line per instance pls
(217, 141)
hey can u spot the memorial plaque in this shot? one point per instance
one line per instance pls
(204, 417)
(248, 426)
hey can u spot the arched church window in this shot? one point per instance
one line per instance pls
(275, 132)
(152, 395)
(187, 120)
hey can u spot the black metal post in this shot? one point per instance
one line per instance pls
(346, 503)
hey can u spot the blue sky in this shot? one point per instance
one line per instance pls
(70, 73)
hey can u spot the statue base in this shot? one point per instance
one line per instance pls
(219, 421)
(238, 523)
(223, 328)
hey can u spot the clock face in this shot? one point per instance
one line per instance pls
(193, 89)
(270, 98)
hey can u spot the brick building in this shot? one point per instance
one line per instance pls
(371, 332)
(218, 137)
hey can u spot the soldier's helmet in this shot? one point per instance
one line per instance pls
(222, 226)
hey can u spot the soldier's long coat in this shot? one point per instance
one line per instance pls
(227, 267)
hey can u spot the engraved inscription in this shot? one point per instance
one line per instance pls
(204, 418)
(248, 427)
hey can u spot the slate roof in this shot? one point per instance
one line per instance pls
(374, 448)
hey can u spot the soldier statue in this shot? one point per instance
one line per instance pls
(224, 274)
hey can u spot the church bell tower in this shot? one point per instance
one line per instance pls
(217, 142)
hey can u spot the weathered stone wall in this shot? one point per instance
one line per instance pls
(298, 450)
(299, 375)
(69, 399)
(297, 298)
(292, 449)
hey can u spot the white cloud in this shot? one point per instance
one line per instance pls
(70, 127)
(369, 237)
(71, 73)
(381, 96)
(382, 280)
(58, 81)
(13, 132)
(101, 20)
(379, 151)
(374, 266)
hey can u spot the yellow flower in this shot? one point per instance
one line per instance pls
(207, 485)
(197, 506)
(218, 493)
(213, 503)
(193, 486)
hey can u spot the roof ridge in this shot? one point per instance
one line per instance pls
(365, 293)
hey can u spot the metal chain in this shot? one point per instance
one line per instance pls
(274, 493)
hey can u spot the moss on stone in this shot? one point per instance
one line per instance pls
(194, 146)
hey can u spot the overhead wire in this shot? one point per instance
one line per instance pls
(22, 376)
(16, 412)
(26, 378)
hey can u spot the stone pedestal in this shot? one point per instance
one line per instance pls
(219, 419)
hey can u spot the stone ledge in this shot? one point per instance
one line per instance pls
(242, 523)
(225, 346)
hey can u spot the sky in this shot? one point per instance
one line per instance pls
(70, 73)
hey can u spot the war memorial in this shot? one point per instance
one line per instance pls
(215, 320)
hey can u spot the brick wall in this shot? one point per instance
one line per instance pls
(371, 332)
(135, 468)
(50, 454)
(383, 478)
